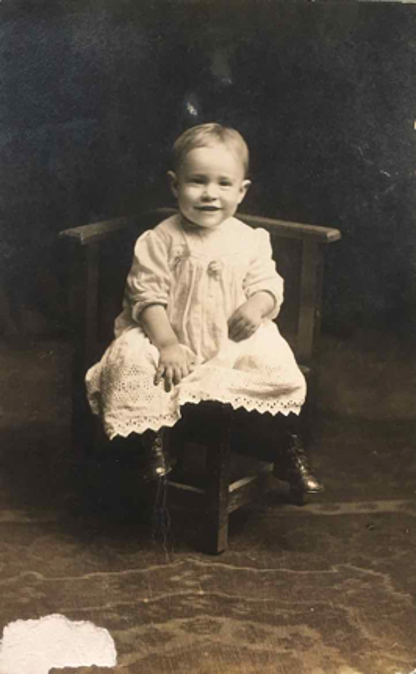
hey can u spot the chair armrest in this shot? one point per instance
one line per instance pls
(291, 230)
(95, 232)
(92, 233)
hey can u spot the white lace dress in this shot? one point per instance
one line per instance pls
(201, 277)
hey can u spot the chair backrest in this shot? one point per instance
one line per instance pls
(101, 254)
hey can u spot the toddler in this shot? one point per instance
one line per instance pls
(197, 320)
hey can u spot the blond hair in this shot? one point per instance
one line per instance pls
(208, 135)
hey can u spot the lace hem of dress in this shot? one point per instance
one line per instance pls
(128, 401)
(125, 427)
(249, 404)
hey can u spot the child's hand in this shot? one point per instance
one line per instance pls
(245, 321)
(175, 363)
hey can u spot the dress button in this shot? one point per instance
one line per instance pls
(214, 268)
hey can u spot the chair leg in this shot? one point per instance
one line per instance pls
(217, 489)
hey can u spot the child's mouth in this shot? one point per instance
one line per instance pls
(207, 208)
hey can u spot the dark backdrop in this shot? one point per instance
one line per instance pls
(93, 94)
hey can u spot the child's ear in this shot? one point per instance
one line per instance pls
(173, 182)
(243, 189)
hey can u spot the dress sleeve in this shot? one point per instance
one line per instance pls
(262, 274)
(148, 282)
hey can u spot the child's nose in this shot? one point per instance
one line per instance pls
(210, 191)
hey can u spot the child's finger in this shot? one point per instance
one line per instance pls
(188, 368)
(177, 375)
(242, 331)
(234, 335)
(236, 328)
(231, 325)
(159, 375)
(168, 376)
(184, 371)
(238, 337)
(233, 321)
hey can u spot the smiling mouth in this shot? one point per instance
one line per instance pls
(207, 208)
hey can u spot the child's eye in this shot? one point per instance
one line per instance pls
(225, 183)
(197, 181)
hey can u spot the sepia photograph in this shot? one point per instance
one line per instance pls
(207, 336)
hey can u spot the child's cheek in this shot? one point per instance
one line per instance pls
(187, 193)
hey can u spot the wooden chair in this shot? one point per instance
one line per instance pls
(99, 258)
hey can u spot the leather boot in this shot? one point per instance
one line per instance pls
(292, 465)
(156, 460)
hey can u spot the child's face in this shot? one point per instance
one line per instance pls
(209, 186)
